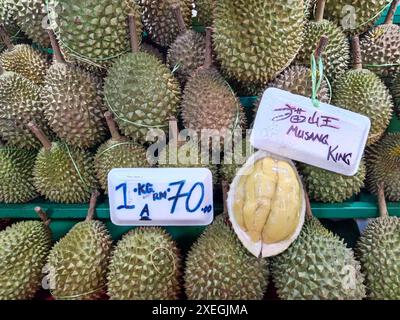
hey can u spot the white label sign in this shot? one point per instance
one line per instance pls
(161, 197)
(328, 137)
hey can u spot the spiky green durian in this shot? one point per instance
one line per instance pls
(383, 163)
(26, 61)
(78, 263)
(249, 37)
(152, 50)
(379, 250)
(309, 7)
(19, 104)
(92, 31)
(31, 17)
(327, 186)
(396, 93)
(145, 265)
(16, 175)
(118, 152)
(159, 19)
(318, 266)
(205, 11)
(24, 247)
(355, 16)
(226, 271)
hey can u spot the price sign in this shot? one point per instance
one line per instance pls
(161, 197)
(328, 137)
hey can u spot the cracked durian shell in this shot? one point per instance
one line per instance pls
(159, 19)
(381, 47)
(74, 106)
(318, 266)
(19, 104)
(145, 265)
(64, 174)
(378, 249)
(78, 263)
(256, 40)
(362, 91)
(336, 55)
(265, 235)
(16, 175)
(24, 247)
(26, 61)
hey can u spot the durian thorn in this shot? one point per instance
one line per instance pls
(383, 210)
(323, 43)
(356, 52)
(225, 189)
(392, 11)
(92, 205)
(179, 18)
(208, 55)
(43, 215)
(5, 37)
(133, 37)
(40, 135)
(112, 126)
(55, 46)
(319, 14)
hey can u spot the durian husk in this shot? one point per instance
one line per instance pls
(205, 11)
(396, 93)
(152, 50)
(218, 267)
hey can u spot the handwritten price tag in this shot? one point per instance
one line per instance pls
(161, 197)
(327, 137)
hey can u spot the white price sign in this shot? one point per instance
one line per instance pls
(161, 197)
(328, 137)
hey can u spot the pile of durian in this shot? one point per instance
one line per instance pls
(68, 118)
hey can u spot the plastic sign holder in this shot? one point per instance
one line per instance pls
(161, 197)
(328, 137)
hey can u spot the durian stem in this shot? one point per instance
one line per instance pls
(179, 18)
(133, 33)
(5, 38)
(43, 215)
(92, 205)
(323, 43)
(319, 15)
(383, 210)
(208, 55)
(40, 135)
(392, 11)
(356, 51)
(112, 126)
(225, 189)
(309, 214)
(56, 47)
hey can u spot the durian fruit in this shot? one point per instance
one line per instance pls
(355, 16)
(24, 247)
(93, 32)
(159, 19)
(330, 187)
(23, 59)
(218, 267)
(78, 263)
(19, 104)
(209, 103)
(317, 266)
(31, 17)
(336, 55)
(396, 93)
(118, 152)
(379, 250)
(256, 40)
(309, 6)
(361, 91)
(16, 175)
(186, 53)
(152, 50)
(145, 265)
(205, 11)
(383, 164)
(141, 92)
(380, 47)
(73, 102)
(11, 29)
(266, 204)
(62, 173)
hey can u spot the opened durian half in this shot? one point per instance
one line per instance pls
(266, 204)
